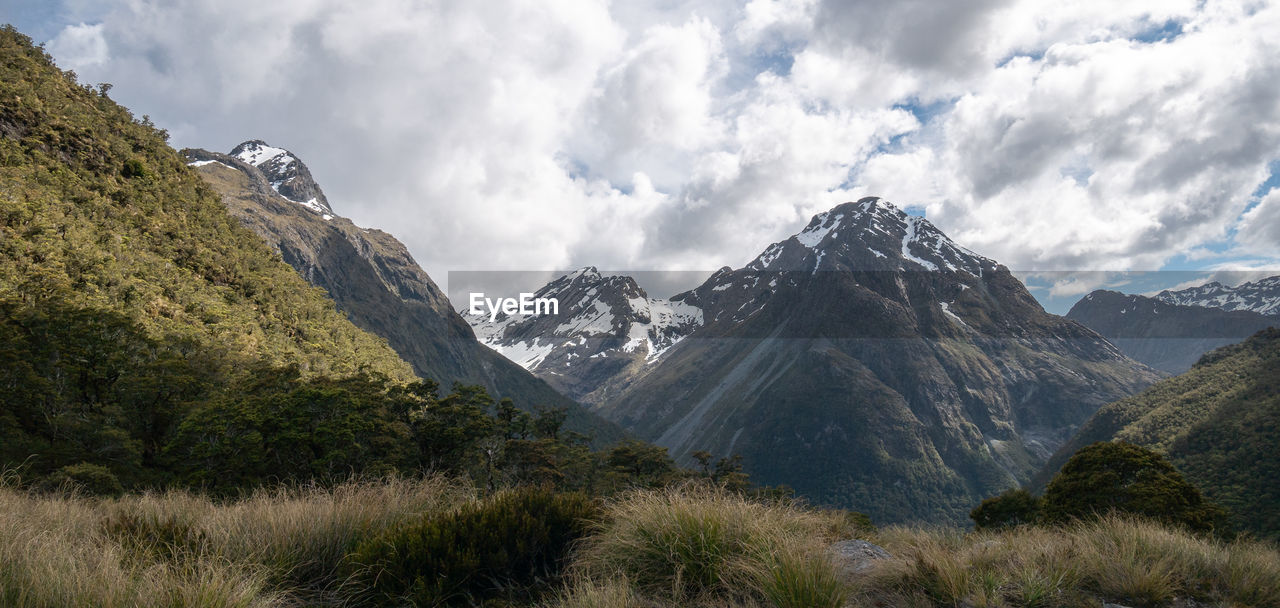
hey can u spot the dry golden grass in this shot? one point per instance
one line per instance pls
(1130, 561)
(53, 554)
(681, 547)
(694, 545)
(698, 547)
(275, 547)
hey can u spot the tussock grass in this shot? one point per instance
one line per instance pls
(796, 577)
(681, 547)
(1131, 561)
(278, 547)
(52, 554)
(692, 544)
(615, 593)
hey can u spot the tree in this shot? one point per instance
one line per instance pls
(448, 431)
(640, 464)
(1121, 477)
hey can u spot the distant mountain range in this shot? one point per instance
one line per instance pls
(868, 361)
(1170, 335)
(371, 276)
(1262, 297)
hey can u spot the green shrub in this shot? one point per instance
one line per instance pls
(1013, 508)
(1121, 477)
(133, 168)
(85, 478)
(498, 548)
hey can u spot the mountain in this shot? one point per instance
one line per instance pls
(128, 295)
(608, 332)
(1168, 337)
(1218, 423)
(371, 276)
(1261, 296)
(100, 212)
(868, 361)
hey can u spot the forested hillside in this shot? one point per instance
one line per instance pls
(1218, 423)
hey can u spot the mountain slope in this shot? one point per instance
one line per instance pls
(1261, 296)
(128, 295)
(1168, 337)
(371, 276)
(1219, 423)
(99, 211)
(870, 362)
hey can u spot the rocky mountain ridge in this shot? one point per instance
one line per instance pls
(608, 328)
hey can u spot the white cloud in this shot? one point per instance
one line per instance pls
(689, 134)
(1260, 227)
(80, 46)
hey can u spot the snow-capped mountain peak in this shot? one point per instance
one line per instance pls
(286, 174)
(870, 234)
(602, 319)
(256, 152)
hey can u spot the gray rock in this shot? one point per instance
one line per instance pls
(857, 556)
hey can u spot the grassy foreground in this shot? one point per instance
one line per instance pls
(689, 546)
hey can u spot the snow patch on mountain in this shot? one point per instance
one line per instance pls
(1262, 296)
(526, 354)
(818, 230)
(909, 238)
(257, 154)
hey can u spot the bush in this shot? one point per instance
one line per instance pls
(85, 478)
(1121, 477)
(133, 168)
(1013, 508)
(498, 548)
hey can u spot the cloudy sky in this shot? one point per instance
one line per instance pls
(687, 135)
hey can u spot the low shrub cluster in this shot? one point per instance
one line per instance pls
(1105, 478)
(510, 546)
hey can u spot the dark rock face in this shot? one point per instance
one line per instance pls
(375, 281)
(870, 362)
(1168, 337)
